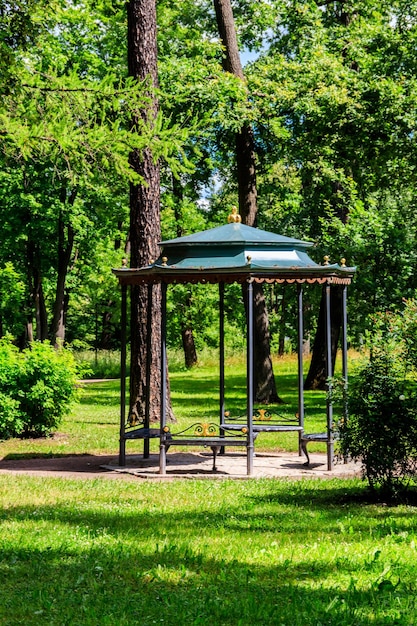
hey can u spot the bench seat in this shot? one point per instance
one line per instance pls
(307, 438)
(266, 428)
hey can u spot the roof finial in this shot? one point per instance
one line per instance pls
(234, 217)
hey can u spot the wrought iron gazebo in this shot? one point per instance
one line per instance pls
(223, 255)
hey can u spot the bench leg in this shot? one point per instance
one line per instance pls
(162, 459)
(215, 450)
(303, 445)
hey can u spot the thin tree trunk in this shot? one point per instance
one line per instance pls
(187, 335)
(264, 380)
(65, 248)
(144, 217)
(316, 377)
(37, 300)
(188, 344)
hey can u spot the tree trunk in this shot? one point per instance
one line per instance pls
(188, 344)
(144, 217)
(107, 329)
(187, 335)
(65, 248)
(316, 377)
(264, 380)
(36, 297)
(41, 315)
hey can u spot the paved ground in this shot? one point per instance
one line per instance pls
(179, 465)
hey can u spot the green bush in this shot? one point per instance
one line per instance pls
(381, 430)
(11, 422)
(37, 387)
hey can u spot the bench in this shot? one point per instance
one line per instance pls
(306, 438)
(206, 434)
(263, 421)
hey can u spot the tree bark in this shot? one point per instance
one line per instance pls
(65, 248)
(187, 334)
(145, 229)
(264, 380)
(37, 300)
(316, 377)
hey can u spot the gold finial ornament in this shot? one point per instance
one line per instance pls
(343, 262)
(234, 217)
(326, 259)
(249, 259)
(164, 260)
(124, 262)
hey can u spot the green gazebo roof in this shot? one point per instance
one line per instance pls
(235, 252)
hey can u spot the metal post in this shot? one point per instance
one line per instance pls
(249, 379)
(300, 363)
(329, 374)
(221, 350)
(221, 358)
(344, 348)
(146, 424)
(122, 440)
(345, 357)
(162, 448)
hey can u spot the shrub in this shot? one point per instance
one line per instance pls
(37, 387)
(381, 430)
(11, 422)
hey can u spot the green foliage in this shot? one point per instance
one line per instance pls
(37, 387)
(98, 364)
(12, 300)
(405, 325)
(381, 429)
(11, 422)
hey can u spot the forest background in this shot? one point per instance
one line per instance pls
(331, 95)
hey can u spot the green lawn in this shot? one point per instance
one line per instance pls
(93, 426)
(302, 553)
(198, 552)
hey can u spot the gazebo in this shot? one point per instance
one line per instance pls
(223, 255)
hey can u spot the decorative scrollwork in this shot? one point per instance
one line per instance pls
(263, 415)
(204, 429)
(133, 420)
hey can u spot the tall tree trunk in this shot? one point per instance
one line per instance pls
(144, 216)
(37, 300)
(187, 335)
(316, 377)
(65, 248)
(264, 383)
(41, 315)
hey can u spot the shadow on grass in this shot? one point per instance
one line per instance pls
(135, 565)
(55, 462)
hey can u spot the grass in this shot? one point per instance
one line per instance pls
(93, 426)
(233, 553)
(302, 553)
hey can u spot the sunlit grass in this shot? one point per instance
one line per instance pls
(299, 553)
(93, 425)
(199, 552)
